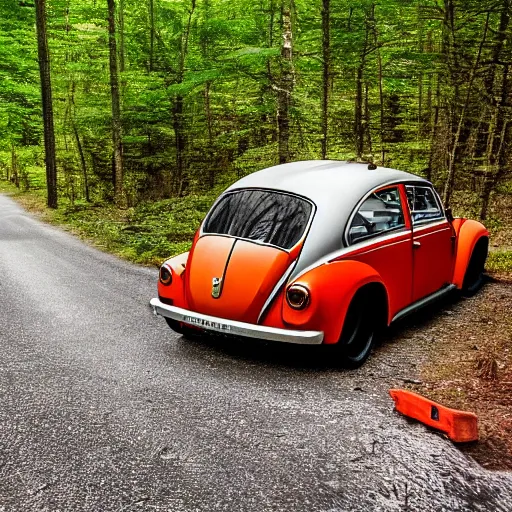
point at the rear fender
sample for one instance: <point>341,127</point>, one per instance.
<point>175,291</point>
<point>332,287</point>
<point>468,232</point>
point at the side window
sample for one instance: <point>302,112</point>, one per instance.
<point>380,212</point>
<point>423,204</point>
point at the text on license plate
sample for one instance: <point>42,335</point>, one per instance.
<point>207,324</point>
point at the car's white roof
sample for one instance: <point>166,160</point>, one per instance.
<point>335,187</point>
<point>318,179</point>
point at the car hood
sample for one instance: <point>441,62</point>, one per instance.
<point>248,272</point>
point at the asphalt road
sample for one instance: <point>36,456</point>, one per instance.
<point>103,408</point>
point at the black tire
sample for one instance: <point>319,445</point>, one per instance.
<point>474,277</point>
<point>186,332</point>
<point>359,331</point>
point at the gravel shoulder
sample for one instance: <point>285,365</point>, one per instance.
<point>468,366</point>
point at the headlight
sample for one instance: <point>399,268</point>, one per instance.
<point>165,275</point>
<point>297,296</point>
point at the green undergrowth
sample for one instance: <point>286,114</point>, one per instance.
<point>499,261</point>
<point>146,234</point>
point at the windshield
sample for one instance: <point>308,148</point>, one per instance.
<point>261,215</point>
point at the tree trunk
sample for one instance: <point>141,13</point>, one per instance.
<point>499,156</point>
<point>434,130</point>
<point>121,37</point>
<point>151,34</point>
<point>179,142</point>
<point>359,128</point>
<point>116,109</point>
<point>358,112</point>
<point>498,148</point>
<point>177,111</point>
<point>264,117</point>
<point>82,162</point>
<point>209,124</point>
<point>285,89</point>
<point>420,106</point>
<point>381,102</point>
<point>72,109</point>
<point>491,181</point>
<point>46,94</point>
<point>14,167</point>
<point>448,189</point>
<point>326,74</point>
<point>381,90</point>
<point>500,38</point>
<point>367,120</point>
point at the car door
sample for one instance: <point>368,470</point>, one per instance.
<point>433,243</point>
<point>379,234</point>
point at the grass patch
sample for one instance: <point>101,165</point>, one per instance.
<point>499,261</point>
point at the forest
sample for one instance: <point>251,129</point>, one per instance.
<point>152,107</point>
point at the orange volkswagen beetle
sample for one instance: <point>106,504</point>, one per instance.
<point>320,252</point>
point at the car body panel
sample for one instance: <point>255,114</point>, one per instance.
<point>207,261</point>
<point>467,233</point>
<point>250,275</point>
<point>332,285</point>
<point>175,293</point>
<point>433,257</point>
<point>389,258</point>
<point>247,273</point>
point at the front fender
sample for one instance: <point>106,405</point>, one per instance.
<point>332,287</point>
<point>468,232</point>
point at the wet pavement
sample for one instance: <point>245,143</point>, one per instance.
<point>103,408</point>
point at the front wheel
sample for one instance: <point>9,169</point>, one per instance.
<point>474,277</point>
<point>358,333</point>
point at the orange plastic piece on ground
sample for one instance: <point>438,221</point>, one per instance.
<point>459,426</point>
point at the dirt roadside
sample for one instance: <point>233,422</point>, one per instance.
<point>468,366</point>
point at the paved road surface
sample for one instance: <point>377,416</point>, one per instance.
<point>103,408</point>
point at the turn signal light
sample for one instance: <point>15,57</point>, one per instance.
<point>165,275</point>
<point>297,296</point>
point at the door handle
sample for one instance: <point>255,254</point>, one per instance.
<point>416,244</point>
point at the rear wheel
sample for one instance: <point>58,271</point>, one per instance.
<point>359,330</point>
<point>474,276</point>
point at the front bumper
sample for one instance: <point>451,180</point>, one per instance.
<point>222,325</point>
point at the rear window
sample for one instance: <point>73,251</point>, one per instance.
<point>261,215</point>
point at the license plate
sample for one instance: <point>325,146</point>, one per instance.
<point>206,324</point>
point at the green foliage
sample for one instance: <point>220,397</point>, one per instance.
<point>148,233</point>
<point>20,121</point>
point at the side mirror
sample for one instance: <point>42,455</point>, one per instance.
<point>449,214</point>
